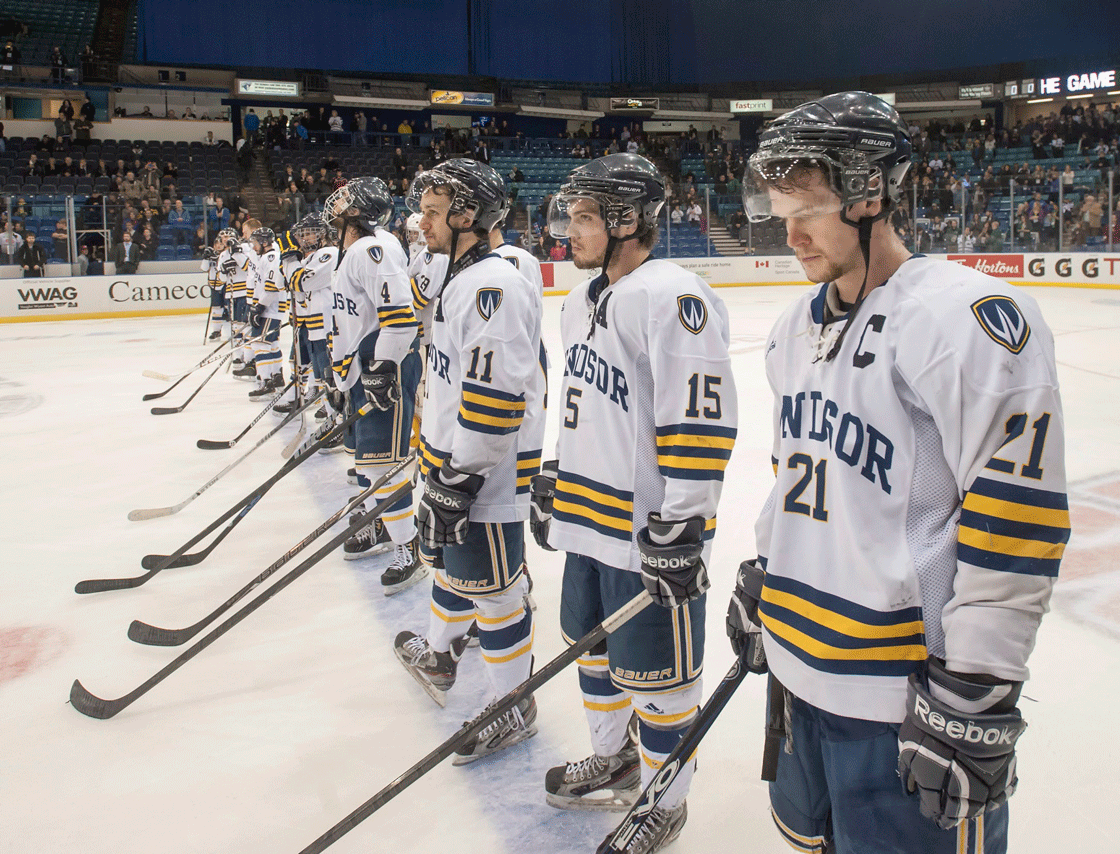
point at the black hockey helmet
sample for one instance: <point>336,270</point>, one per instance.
<point>364,202</point>
<point>228,236</point>
<point>476,189</point>
<point>627,188</point>
<point>263,236</point>
<point>311,232</point>
<point>857,139</point>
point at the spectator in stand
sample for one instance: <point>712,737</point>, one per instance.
<point>694,213</point>
<point>125,255</point>
<point>676,215</point>
<point>1092,215</point>
<point>179,221</point>
<point>218,217</point>
<point>83,260</point>
<point>9,61</point>
<point>400,164</point>
<point>558,252</point>
<point>58,65</point>
<point>335,122</point>
<point>61,240</point>
<point>147,114</point>
<point>146,244</point>
<point>198,241</point>
<point>358,128</point>
<point>3,139</point>
<point>31,257</point>
<point>252,125</point>
<point>34,166</point>
<point>10,242</point>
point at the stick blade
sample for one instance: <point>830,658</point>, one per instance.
<point>101,585</point>
<point>154,395</point>
<point>156,375</point>
<point>149,513</point>
<point>166,410</point>
<point>91,706</point>
<point>149,635</point>
<point>211,445</point>
<point>152,561</point>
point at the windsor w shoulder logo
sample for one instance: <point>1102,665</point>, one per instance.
<point>488,300</point>
<point>375,254</point>
<point>692,312</point>
<point>1003,321</point>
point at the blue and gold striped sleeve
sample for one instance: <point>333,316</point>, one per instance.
<point>694,451</point>
<point>396,317</point>
<point>488,410</point>
<point>590,504</point>
<point>528,464</point>
<point>835,635</point>
<point>1013,528</point>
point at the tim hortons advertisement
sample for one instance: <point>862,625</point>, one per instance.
<point>102,296</point>
<point>1000,266</point>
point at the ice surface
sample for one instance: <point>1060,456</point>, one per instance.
<point>301,712</point>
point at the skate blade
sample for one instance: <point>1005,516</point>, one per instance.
<point>393,589</point>
<point>619,800</point>
<point>371,552</point>
<point>440,696</point>
<point>523,735</point>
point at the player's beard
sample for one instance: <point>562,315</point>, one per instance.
<point>587,263</point>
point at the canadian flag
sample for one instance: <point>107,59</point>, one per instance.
<point>758,264</point>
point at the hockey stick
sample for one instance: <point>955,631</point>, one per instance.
<point>154,636</point>
<point>172,410</point>
<point>155,512</point>
<point>471,728</point>
<point>629,826</point>
<point>206,332</point>
<point>211,445</point>
<point>95,707</point>
<point>156,375</point>
<point>157,563</point>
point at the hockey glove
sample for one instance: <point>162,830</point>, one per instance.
<point>673,570</point>
<point>742,617</point>
<point>209,254</point>
<point>956,746</point>
<point>229,267</point>
<point>542,492</point>
<point>379,379</point>
<point>258,317</point>
<point>443,515</point>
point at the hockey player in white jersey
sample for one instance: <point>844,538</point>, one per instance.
<point>311,283</point>
<point>915,529</point>
<point>375,357</point>
<point>234,266</point>
<point>219,311</point>
<point>481,443</point>
<point>269,298</point>
<point>648,421</point>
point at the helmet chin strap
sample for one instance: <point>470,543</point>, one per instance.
<point>863,225</point>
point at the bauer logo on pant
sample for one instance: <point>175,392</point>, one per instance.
<point>1003,321</point>
<point>488,301</point>
<point>692,312</point>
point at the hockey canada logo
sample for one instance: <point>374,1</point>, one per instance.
<point>375,254</point>
<point>692,312</point>
<point>1001,318</point>
<point>488,300</point>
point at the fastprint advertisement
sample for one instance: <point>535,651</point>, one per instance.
<point>102,296</point>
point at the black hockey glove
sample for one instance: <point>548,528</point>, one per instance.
<point>229,267</point>
<point>542,491</point>
<point>258,317</point>
<point>379,379</point>
<point>956,746</point>
<point>209,253</point>
<point>742,617</point>
<point>442,516</point>
<point>672,569</point>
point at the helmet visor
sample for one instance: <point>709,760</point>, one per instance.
<point>582,213</point>
<point>799,182</point>
<point>337,204</point>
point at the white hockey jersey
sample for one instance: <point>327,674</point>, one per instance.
<point>484,407</point>
<point>372,305</point>
<point>237,266</point>
<point>213,277</point>
<point>529,266</point>
<point>426,272</point>
<point>920,502</point>
<point>649,410</point>
<point>312,283</point>
<point>269,288</point>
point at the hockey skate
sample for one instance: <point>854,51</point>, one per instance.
<point>661,827</point>
<point>405,570</point>
<point>597,783</point>
<point>269,386</point>
<point>215,335</point>
<point>247,371</point>
<point>371,540</point>
<point>320,413</point>
<point>352,476</point>
<point>434,671</point>
<point>285,407</point>
<point>513,727</point>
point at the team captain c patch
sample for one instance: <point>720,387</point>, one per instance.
<point>692,312</point>
<point>488,300</point>
<point>1001,318</point>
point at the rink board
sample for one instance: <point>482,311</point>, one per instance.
<point>153,294</point>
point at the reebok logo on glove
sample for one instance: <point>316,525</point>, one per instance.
<point>966,730</point>
<point>658,562</point>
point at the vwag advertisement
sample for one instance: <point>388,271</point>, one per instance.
<point>102,296</point>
